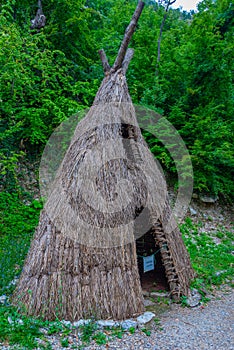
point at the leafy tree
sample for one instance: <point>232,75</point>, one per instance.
<point>37,89</point>
<point>49,74</point>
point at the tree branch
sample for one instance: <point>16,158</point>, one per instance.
<point>161,29</point>
<point>127,59</point>
<point>40,19</point>
<point>105,63</point>
<point>160,35</point>
<point>127,36</point>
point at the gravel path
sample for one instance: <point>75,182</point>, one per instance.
<point>209,327</point>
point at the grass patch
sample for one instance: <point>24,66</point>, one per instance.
<point>214,263</point>
<point>17,225</point>
<point>18,329</point>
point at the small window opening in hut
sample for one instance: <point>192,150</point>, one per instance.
<point>150,266</point>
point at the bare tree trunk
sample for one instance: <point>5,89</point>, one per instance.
<point>169,2</point>
<point>127,36</point>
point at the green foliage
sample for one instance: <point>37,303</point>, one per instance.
<point>64,342</point>
<point>24,331</point>
<point>17,225</point>
<point>48,75</point>
<point>214,263</point>
<point>192,87</point>
<point>88,330</point>
<point>38,92</point>
<point>17,329</point>
<point>118,332</point>
<point>100,338</point>
<point>8,169</point>
<point>55,327</point>
<point>146,331</point>
<point>209,101</point>
<point>184,300</point>
<point>157,323</point>
<point>132,330</point>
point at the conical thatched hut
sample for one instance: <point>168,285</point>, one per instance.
<point>83,258</point>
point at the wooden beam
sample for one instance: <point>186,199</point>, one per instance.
<point>127,36</point>
<point>127,59</point>
<point>105,63</point>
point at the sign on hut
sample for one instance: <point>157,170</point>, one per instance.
<point>88,255</point>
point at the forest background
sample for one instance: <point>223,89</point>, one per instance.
<point>49,74</point>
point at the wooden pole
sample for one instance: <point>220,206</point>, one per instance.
<point>127,36</point>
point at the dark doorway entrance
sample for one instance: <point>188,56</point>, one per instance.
<point>155,279</point>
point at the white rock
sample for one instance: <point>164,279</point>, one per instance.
<point>192,211</point>
<point>3,299</point>
<point>43,330</point>
<point>218,273</point>
<point>13,282</point>
<point>107,323</point>
<point>41,342</point>
<point>159,294</point>
<point>207,199</point>
<point>9,319</point>
<point>145,293</point>
<point>66,323</point>
<point>148,302</point>
<point>217,240</point>
<point>128,324</point>
<point>145,318</point>
<point>19,321</point>
<point>194,298</point>
<point>81,323</point>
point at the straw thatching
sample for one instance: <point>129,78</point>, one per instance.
<point>82,260</point>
